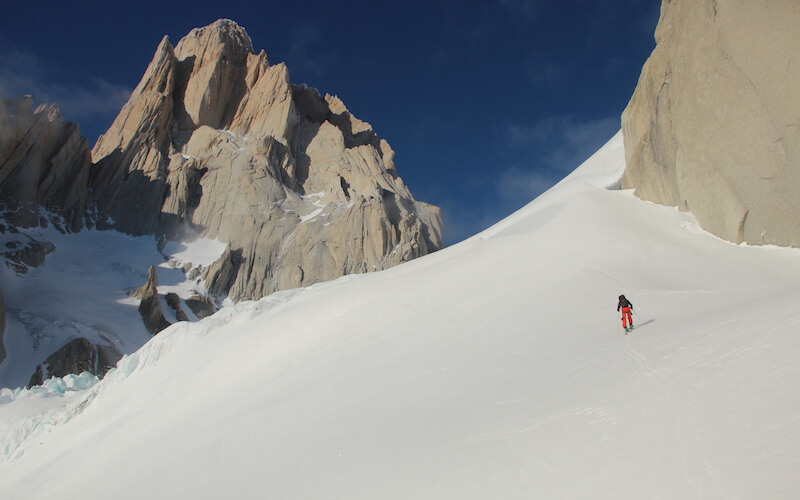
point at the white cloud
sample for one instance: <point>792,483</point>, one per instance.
<point>524,10</point>
<point>548,150</point>
<point>518,185</point>
<point>546,73</point>
<point>561,143</point>
<point>306,54</point>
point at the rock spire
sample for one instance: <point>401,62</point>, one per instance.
<point>44,164</point>
<point>216,140</point>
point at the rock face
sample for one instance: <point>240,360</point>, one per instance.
<point>44,163</point>
<point>217,140</point>
<point>27,253</point>
<point>202,307</point>
<point>150,306</point>
<point>2,327</point>
<point>174,302</point>
<point>714,123</point>
<point>77,356</point>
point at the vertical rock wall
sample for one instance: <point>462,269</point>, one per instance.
<point>714,123</point>
<point>44,163</point>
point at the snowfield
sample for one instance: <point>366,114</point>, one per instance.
<point>493,369</point>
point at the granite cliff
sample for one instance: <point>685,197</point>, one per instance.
<point>44,164</point>
<point>714,123</point>
<point>217,142</point>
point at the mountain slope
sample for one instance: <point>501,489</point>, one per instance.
<point>492,369</point>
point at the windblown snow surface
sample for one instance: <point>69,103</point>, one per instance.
<point>494,369</point>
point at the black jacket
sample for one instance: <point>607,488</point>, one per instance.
<point>623,302</point>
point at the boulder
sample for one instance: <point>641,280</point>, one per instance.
<point>174,302</point>
<point>77,356</point>
<point>202,307</point>
<point>26,253</point>
<point>713,126</point>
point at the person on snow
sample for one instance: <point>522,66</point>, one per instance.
<point>626,307</point>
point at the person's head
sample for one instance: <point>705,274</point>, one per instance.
<point>621,297</point>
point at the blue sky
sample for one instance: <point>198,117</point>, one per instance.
<point>487,104</point>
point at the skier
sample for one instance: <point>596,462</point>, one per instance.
<point>626,307</point>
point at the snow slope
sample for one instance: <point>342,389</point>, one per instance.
<point>492,369</point>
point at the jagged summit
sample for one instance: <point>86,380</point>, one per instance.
<point>227,31</point>
<point>217,138</point>
<point>44,164</point>
<point>214,145</point>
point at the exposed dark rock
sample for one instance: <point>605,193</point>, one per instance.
<point>174,302</point>
<point>75,357</point>
<point>32,253</point>
<point>201,306</point>
<point>150,307</point>
<point>221,273</point>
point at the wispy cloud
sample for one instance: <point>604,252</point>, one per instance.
<point>95,99</point>
<point>546,73</point>
<point>546,151</point>
<point>306,53</point>
<point>523,10</point>
<point>517,185</point>
<point>562,142</point>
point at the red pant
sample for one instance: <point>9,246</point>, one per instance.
<point>627,319</point>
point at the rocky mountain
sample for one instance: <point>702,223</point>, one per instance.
<point>214,144</point>
<point>44,164</point>
<point>713,125</point>
<point>217,142</point>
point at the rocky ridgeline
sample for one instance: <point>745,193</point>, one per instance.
<point>216,139</point>
<point>217,143</point>
<point>44,163</point>
<point>714,124</point>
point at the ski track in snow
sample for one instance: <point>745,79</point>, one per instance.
<point>638,358</point>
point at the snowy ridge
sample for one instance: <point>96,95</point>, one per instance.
<point>492,369</point>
